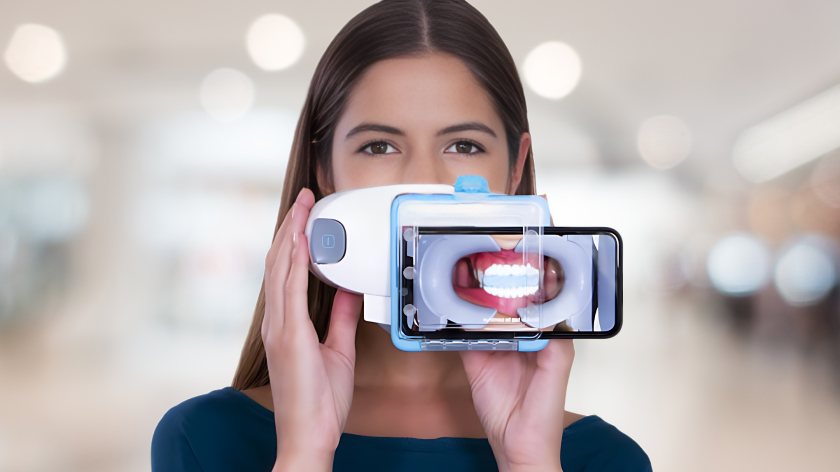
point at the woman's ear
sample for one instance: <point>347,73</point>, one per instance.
<point>524,147</point>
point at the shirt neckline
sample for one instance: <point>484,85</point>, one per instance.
<point>254,405</point>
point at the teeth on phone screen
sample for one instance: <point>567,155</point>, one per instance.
<point>509,280</point>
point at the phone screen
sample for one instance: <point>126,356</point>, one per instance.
<point>502,291</point>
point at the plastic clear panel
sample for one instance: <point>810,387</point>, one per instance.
<point>455,279</point>
<point>466,267</point>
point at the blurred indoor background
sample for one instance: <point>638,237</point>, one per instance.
<point>142,153</point>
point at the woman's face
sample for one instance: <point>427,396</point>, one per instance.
<point>421,119</point>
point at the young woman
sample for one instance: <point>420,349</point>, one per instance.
<point>410,91</point>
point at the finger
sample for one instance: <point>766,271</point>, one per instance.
<point>277,266</point>
<point>297,286</point>
<point>296,226</point>
<point>551,375</point>
<point>474,361</point>
<point>278,262</point>
<point>551,218</point>
<point>266,321</point>
<point>277,238</point>
<point>344,318</point>
<point>557,357</point>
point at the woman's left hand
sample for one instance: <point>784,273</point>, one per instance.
<point>520,398</point>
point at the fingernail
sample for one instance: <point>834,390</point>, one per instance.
<point>294,239</point>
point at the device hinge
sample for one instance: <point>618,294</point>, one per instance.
<point>469,345</point>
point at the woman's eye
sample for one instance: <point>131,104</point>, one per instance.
<point>377,147</point>
<point>465,147</point>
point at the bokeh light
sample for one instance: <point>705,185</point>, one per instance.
<point>552,69</point>
<point>51,208</point>
<point>805,271</point>
<point>226,94</point>
<point>789,139</point>
<point>738,264</point>
<point>663,141</point>
<point>275,42</point>
<point>35,53</point>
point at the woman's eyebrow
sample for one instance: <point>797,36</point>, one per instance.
<point>374,127</point>
<point>468,126</point>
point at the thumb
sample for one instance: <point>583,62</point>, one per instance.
<point>344,317</point>
<point>474,361</point>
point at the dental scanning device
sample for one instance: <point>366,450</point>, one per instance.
<point>456,268</point>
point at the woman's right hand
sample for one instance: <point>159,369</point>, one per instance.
<point>311,383</point>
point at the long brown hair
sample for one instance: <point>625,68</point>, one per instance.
<point>387,29</point>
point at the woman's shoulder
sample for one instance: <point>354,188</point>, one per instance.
<point>601,446</point>
<point>209,409</point>
<point>211,428</point>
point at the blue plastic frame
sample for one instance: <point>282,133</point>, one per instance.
<point>466,184</point>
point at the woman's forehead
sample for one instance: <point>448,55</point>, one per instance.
<point>433,90</point>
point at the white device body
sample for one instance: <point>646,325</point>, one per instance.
<point>365,268</point>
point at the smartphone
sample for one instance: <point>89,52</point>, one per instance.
<point>503,291</point>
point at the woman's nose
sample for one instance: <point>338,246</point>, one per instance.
<point>425,170</point>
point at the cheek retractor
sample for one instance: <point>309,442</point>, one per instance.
<point>434,296</point>
<point>574,253</point>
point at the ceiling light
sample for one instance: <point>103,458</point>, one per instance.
<point>35,53</point>
<point>790,139</point>
<point>275,42</point>
<point>552,70</point>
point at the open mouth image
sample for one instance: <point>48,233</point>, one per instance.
<point>505,280</point>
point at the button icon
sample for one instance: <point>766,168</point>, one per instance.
<point>328,241</point>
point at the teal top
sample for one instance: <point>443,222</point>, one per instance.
<point>226,430</point>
